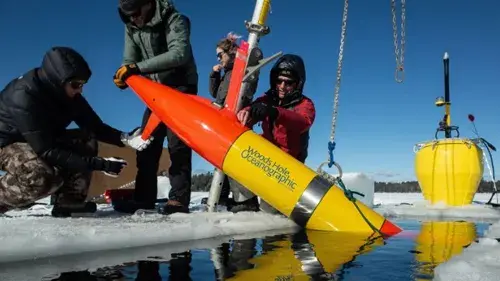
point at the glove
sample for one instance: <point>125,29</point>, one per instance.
<point>134,139</point>
<point>123,73</point>
<point>259,111</point>
<point>111,166</point>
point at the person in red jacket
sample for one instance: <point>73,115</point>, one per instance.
<point>285,112</point>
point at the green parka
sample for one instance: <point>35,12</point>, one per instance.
<point>162,48</point>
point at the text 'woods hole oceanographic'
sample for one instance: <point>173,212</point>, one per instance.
<point>270,167</point>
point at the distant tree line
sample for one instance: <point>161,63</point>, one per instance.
<point>201,182</point>
<point>412,186</point>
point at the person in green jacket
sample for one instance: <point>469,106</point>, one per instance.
<point>157,45</point>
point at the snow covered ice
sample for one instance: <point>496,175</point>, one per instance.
<point>478,262</point>
<point>413,205</point>
<point>90,243</point>
<point>28,237</point>
<point>44,237</point>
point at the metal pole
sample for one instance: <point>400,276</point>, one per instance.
<point>216,258</point>
<point>256,28</point>
<point>446,62</point>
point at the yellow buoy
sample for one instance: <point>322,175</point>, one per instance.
<point>449,170</point>
<point>440,241</point>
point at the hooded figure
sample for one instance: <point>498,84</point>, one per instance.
<point>157,41</point>
<point>291,66</point>
<point>285,112</point>
<point>62,64</point>
<point>40,156</point>
<point>157,45</point>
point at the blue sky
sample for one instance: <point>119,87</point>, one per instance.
<point>379,120</point>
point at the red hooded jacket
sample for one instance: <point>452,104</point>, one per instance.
<point>296,112</point>
<point>290,129</point>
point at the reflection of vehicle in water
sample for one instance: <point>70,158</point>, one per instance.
<point>440,241</point>
<point>301,256</point>
<point>306,255</point>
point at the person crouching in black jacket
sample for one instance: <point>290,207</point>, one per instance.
<point>39,155</point>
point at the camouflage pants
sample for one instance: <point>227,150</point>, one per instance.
<point>28,178</point>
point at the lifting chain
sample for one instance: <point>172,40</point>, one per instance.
<point>399,52</point>
<point>331,143</point>
<point>339,70</point>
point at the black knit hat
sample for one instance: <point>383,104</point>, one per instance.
<point>130,6</point>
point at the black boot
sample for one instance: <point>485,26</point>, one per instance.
<point>61,211</point>
<point>168,209</point>
<point>131,206</point>
<point>222,201</point>
<point>3,209</point>
<point>249,205</point>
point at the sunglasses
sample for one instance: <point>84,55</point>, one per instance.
<point>77,84</point>
<point>219,55</point>
<point>134,14</point>
<point>286,81</point>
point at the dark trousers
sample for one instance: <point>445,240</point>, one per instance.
<point>148,160</point>
<point>77,184</point>
<point>224,192</point>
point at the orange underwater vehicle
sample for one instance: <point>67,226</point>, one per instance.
<point>276,177</point>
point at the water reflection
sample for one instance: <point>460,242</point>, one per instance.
<point>306,255</point>
<point>437,242</point>
<point>179,269</point>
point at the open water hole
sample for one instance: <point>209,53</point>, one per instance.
<point>305,255</point>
